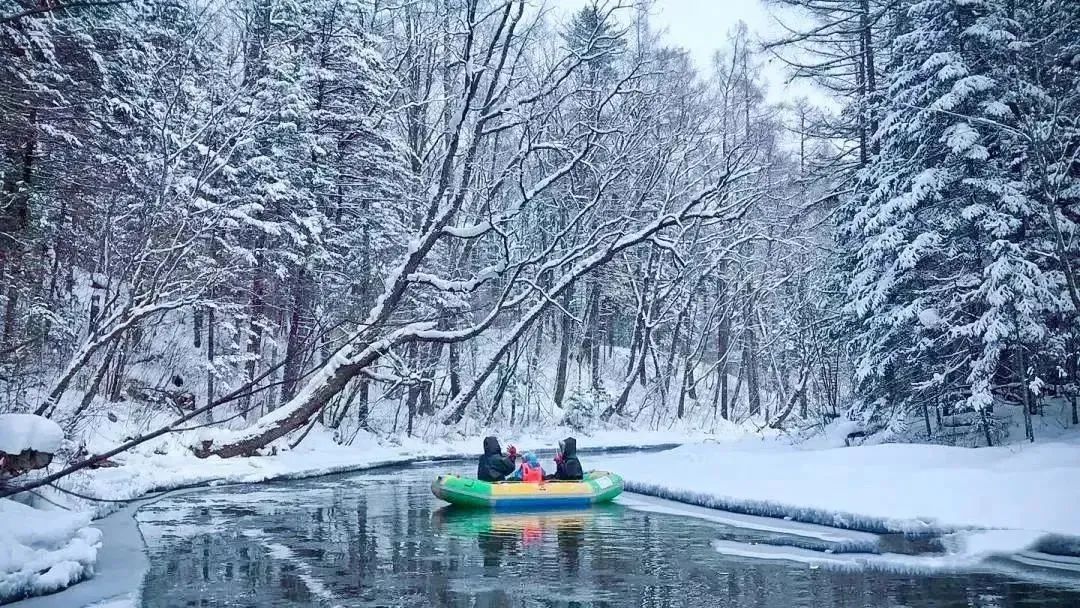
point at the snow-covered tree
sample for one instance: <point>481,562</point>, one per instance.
<point>948,288</point>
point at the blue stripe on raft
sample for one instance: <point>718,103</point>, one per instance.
<point>561,502</point>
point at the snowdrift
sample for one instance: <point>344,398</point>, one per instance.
<point>43,551</point>
<point>21,432</point>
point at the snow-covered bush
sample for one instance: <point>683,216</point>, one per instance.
<point>583,407</point>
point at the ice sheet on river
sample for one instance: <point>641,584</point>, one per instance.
<point>838,539</point>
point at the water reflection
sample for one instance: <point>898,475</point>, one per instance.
<point>385,541</point>
<point>500,535</point>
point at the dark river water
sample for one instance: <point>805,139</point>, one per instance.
<point>382,539</point>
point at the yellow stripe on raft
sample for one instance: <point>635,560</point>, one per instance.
<point>558,488</point>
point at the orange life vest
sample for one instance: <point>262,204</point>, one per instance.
<point>531,474</point>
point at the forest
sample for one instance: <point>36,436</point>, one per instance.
<point>244,219</point>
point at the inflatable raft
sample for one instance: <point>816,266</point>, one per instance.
<point>597,487</point>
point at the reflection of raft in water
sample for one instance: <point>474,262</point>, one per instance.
<point>597,487</point>
<point>501,535</point>
<point>470,522</point>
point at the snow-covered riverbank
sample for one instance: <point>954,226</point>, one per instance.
<point>883,488</point>
<point>64,550</point>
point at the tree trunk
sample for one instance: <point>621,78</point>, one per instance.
<point>15,212</point>
<point>210,345</point>
<point>506,374</point>
<point>196,327</point>
<point>753,390</point>
<point>427,378</point>
<point>985,421</point>
<point>804,374</point>
<point>117,378</point>
<point>926,419</point>
<point>531,370</point>
<point>593,333</point>
<point>691,381</point>
<point>1029,432</point>
<point>738,385</point>
<point>669,366</point>
<point>680,410</point>
<point>565,338</point>
<point>869,70</point>
<point>299,333</point>
<point>413,394</point>
<point>410,409</point>
<point>257,310</point>
<point>9,313</point>
<point>1074,376</point>
<point>619,405</point>
<point>363,406</point>
<point>453,363</point>
<point>723,346</point>
<point>95,384</point>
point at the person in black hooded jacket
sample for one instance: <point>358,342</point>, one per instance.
<point>494,465</point>
<point>567,465</point>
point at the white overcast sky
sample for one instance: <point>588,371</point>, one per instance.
<point>702,26</point>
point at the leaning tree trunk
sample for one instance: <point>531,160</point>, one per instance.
<point>619,405</point>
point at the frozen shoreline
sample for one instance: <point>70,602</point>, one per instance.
<point>756,485</point>
<point>892,488</point>
<point>121,560</point>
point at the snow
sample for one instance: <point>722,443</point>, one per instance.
<point>122,564</point>
<point>966,551</point>
<point>881,488</point>
<point>467,232</point>
<point>848,540</point>
<point>149,470</point>
<point>170,465</point>
<point>929,317</point>
<point>43,551</point>
<point>1000,500</point>
<point>20,432</point>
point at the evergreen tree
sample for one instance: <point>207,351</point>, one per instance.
<point>946,282</point>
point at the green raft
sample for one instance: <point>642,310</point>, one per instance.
<point>597,487</point>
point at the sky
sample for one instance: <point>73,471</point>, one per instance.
<point>702,26</point>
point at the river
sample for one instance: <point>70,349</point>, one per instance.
<point>381,539</point>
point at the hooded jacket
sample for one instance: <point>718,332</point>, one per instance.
<point>567,465</point>
<point>493,466</point>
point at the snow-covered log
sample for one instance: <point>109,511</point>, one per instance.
<point>27,442</point>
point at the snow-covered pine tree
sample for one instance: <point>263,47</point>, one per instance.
<point>320,193</point>
<point>360,189</point>
<point>945,286</point>
<point>1045,140</point>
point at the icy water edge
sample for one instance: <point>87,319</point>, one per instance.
<point>382,539</point>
